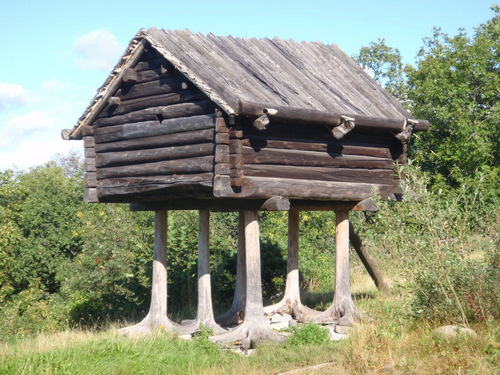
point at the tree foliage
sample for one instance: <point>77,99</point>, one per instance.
<point>385,64</point>
<point>456,87</point>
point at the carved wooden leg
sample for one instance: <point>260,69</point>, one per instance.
<point>235,314</point>
<point>291,304</point>
<point>342,311</point>
<point>157,317</point>
<point>254,328</point>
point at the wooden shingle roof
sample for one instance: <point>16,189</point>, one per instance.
<point>307,80</point>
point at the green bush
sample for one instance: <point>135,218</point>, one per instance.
<point>308,334</point>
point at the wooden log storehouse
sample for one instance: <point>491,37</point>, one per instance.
<point>188,121</point>
<point>193,117</point>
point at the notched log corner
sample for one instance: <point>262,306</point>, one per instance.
<point>346,125</point>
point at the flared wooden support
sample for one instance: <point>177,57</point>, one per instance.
<point>342,311</point>
<point>157,317</point>
<point>254,328</point>
<point>291,303</point>
<point>237,311</point>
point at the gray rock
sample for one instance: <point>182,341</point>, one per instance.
<point>344,330</point>
<point>334,336</point>
<point>287,317</point>
<point>453,331</point>
<point>184,337</point>
<point>279,325</point>
<point>277,318</point>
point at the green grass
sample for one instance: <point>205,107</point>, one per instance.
<point>391,342</point>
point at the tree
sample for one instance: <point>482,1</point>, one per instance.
<point>456,87</point>
<point>385,65</point>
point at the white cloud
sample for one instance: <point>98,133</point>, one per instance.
<point>31,135</point>
<point>36,152</point>
<point>97,50</point>
<point>28,125</point>
<point>12,95</point>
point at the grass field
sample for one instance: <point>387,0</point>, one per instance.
<point>391,342</point>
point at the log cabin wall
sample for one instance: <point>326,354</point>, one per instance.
<point>155,137</point>
<point>306,162</point>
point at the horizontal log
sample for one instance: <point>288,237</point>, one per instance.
<point>200,178</point>
<point>153,128</point>
<point>295,132</point>
<point>315,205</point>
<point>169,167</point>
<point>154,63</point>
<point>199,107</point>
<point>257,142</point>
<point>313,159</point>
<point>330,118</point>
<point>183,138</point>
<point>116,188</point>
<point>261,187</point>
<point>110,159</point>
<point>131,105</point>
<point>218,204</point>
<point>162,86</point>
<point>376,176</point>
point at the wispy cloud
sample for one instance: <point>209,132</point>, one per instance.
<point>12,95</point>
<point>97,50</point>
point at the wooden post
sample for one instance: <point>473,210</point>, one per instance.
<point>205,313</point>
<point>342,311</point>
<point>291,303</point>
<point>157,317</point>
<point>254,328</point>
<point>158,307</point>
<point>236,312</point>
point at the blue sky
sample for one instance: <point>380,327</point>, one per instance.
<point>56,54</point>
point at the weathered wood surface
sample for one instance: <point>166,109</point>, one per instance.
<point>375,176</point>
<point>90,195</point>
<point>90,179</point>
<point>367,260</point>
<point>165,85</point>
<point>262,187</point>
<point>110,159</point>
<point>272,71</point>
<point>311,158</point>
<point>153,128</point>
<point>168,167</point>
<point>198,107</point>
<point>151,101</point>
<point>259,142</point>
<point>220,204</point>
<point>183,138</point>
<point>113,188</point>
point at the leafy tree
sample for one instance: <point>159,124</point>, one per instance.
<point>456,87</point>
<point>385,65</point>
